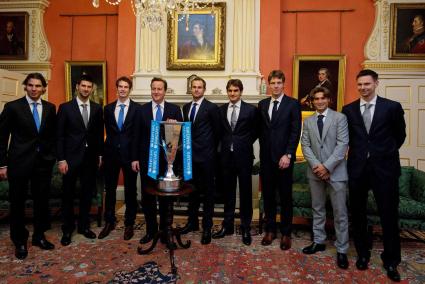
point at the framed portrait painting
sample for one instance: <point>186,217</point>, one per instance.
<point>197,42</point>
<point>407,40</point>
<point>312,71</point>
<point>13,36</point>
<point>96,69</point>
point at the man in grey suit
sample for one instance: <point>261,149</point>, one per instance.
<point>324,144</point>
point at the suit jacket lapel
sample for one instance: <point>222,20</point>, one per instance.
<point>28,113</point>
<point>224,114</point>
<point>376,114</point>
<point>327,123</point>
<point>76,109</point>
<point>359,116</point>
<point>265,110</point>
<point>280,109</point>
<point>43,115</point>
<point>313,125</point>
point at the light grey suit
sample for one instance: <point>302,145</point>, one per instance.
<point>330,151</point>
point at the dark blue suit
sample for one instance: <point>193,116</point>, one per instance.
<point>373,163</point>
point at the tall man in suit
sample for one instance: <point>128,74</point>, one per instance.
<point>30,123</point>
<point>120,118</point>
<point>204,117</point>
<point>377,130</point>
<point>324,144</point>
<point>238,124</point>
<point>279,135</point>
<point>79,151</point>
<point>160,110</point>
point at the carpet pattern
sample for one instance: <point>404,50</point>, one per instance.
<point>113,260</point>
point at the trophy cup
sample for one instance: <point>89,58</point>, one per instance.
<point>170,144</point>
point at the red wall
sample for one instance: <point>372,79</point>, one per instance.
<point>285,33</point>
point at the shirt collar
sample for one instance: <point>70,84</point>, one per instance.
<point>372,102</point>
<point>154,104</point>
<point>237,104</point>
<point>279,99</point>
<point>325,113</point>
<point>126,102</point>
<point>30,101</point>
<point>80,102</point>
<point>199,102</point>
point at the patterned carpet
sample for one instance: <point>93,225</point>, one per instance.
<point>114,260</point>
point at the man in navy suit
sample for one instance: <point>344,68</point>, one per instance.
<point>205,123</point>
<point>79,152</point>
<point>238,124</point>
<point>377,131</point>
<point>30,123</point>
<point>160,110</point>
<point>279,135</point>
<point>120,118</point>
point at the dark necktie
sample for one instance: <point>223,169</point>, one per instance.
<point>192,112</point>
<point>36,117</point>
<point>274,111</point>
<point>121,117</point>
<point>320,124</point>
<point>367,116</point>
<point>85,114</point>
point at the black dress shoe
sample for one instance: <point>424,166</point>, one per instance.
<point>189,227</point>
<point>268,239</point>
<point>313,248</point>
<point>362,263</point>
<point>342,260</point>
<point>66,238</point>
<point>128,232</point>
<point>21,251</point>
<point>392,273</point>
<point>106,230</point>
<point>222,233</point>
<point>246,237</point>
<point>147,238</point>
<point>89,234</point>
<point>206,237</point>
<point>42,243</point>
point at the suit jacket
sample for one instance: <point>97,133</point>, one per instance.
<point>26,143</point>
<point>143,130</point>
<point>280,136</point>
<point>74,140</point>
<point>118,143</point>
<point>329,150</point>
<point>386,135</point>
<point>244,135</point>
<point>205,131</point>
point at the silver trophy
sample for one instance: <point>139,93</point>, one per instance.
<point>170,144</point>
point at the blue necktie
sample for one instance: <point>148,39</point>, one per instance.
<point>192,112</point>
<point>158,116</point>
<point>36,117</point>
<point>121,117</point>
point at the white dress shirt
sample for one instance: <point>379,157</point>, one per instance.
<point>39,106</point>
<point>279,99</point>
<point>230,110</point>
<point>371,108</point>
<point>325,113</point>
<point>80,102</point>
<point>155,109</point>
<point>118,109</point>
<point>198,104</point>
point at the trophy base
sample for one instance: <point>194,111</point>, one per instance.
<point>169,185</point>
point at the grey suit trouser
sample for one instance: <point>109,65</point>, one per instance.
<point>338,196</point>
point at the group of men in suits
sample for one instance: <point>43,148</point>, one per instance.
<point>372,127</point>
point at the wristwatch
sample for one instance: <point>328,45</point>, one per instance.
<point>289,156</point>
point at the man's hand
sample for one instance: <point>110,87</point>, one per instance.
<point>63,167</point>
<point>171,120</point>
<point>284,162</point>
<point>321,171</point>
<point>135,166</point>
<point>3,173</point>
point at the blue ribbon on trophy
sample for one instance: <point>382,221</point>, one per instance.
<point>187,150</point>
<point>153,165</point>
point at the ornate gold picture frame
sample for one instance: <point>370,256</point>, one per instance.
<point>96,69</point>
<point>407,37</point>
<point>197,42</point>
<point>14,35</point>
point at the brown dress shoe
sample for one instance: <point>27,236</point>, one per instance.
<point>128,233</point>
<point>285,243</point>
<point>106,230</point>
<point>268,239</point>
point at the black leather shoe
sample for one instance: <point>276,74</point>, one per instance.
<point>222,233</point>
<point>66,238</point>
<point>342,260</point>
<point>362,263</point>
<point>392,273</point>
<point>206,237</point>
<point>313,248</point>
<point>21,251</point>
<point>42,243</point>
<point>189,227</point>
<point>89,234</point>
<point>147,238</point>
<point>128,233</point>
<point>106,230</point>
<point>246,237</point>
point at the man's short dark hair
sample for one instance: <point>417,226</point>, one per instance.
<point>325,91</point>
<point>85,77</point>
<point>36,76</point>
<point>124,79</point>
<point>197,78</point>
<point>157,79</point>
<point>367,72</point>
<point>276,74</point>
<point>235,83</point>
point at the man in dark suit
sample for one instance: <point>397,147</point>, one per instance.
<point>238,124</point>
<point>30,123</point>
<point>160,110</point>
<point>204,117</point>
<point>120,118</point>
<point>279,135</point>
<point>377,130</point>
<point>79,151</point>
